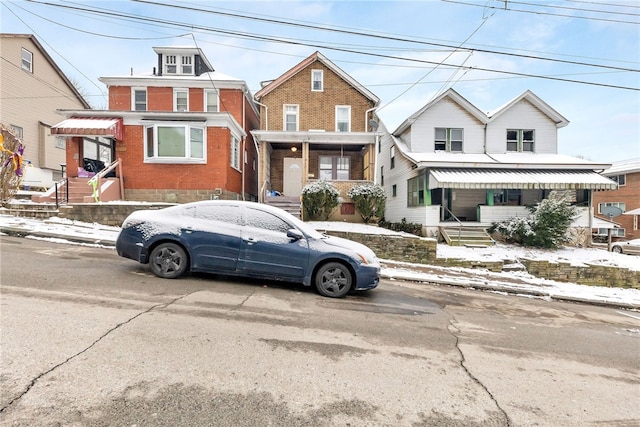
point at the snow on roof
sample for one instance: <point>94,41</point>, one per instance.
<point>624,166</point>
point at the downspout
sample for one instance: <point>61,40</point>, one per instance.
<point>261,187</point>
<point>244,140</point>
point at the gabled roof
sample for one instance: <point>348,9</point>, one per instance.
<point>316,56</point>
<point>51,62</point>
<point>558,118</point>
<point>455,97</point>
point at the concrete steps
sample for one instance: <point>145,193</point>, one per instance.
<point>466,236</point>
<point>289,204</point>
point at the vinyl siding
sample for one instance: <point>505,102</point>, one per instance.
<point>446,114</point>
<point>523,115</point>
<point>30,101</point>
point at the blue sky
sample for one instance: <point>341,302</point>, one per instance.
<point>581,57</point>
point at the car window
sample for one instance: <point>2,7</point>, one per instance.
<point>265,220</point>
<point>226,213</point>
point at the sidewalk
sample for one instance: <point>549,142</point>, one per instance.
<point>513,282</point>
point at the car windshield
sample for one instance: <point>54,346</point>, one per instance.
<point>302,226</point>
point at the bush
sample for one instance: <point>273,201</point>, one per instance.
<point>402,226</point>
<point>11,150</point>
<point>369,200</point>
<point>546,227</point>
<point>319,199</point>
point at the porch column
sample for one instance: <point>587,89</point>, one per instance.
<point>74,155</point>
<point>490,197</point>
<point>305,163</point>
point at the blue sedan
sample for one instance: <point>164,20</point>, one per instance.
<point>245,239</point>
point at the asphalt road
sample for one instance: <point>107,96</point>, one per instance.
<point>90,339</point>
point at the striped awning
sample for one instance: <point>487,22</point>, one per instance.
<point>519,178</point>
<point>90,126</point>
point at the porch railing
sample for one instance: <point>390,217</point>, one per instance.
<point>96,180</point>
<point>64,183</point>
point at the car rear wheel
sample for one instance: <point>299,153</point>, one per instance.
<point>333,280</point>
<point>168,260</point>
<point>616,249</point>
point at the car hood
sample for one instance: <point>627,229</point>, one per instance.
<point>350,244</point>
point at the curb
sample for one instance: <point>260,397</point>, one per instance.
<point>20,232</point>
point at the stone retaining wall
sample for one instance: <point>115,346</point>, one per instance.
<point>111,213</point>
<point>599,275</point>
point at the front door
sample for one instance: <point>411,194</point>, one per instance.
<point>292,179</point>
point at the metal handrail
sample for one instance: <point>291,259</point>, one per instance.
<point>445,210</point>
<point>65,182</point>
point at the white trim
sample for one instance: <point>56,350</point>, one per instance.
<point>313,73</point>
<point>175,99</point>
<point>133,98</point>
<point>284,117</point>
<point>217,93</point>
<point>348,108</point>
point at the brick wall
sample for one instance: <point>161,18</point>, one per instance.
<point>629,194</point>
<point>317,109</point>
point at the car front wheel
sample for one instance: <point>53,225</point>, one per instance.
<point>616,249</point>
<point>333,280</point>
<point>168,260</point>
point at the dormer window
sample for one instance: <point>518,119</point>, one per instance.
<point>519,140</point>
<point>170,64</point>
<point>187,65</point>
<point>178,64</point>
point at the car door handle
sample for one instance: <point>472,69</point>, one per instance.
<point>250,240</point>
<point>188,230</point>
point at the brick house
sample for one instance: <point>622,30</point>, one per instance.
<point>315,124</point>
<point>32,87</point>
<point>626,197</point>
<point>179,134</point>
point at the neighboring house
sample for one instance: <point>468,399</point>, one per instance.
<point>179,134</point>
<point>451,163</point>
<point>626,198</point>
<point>32,87</point>
<point>315,124</point>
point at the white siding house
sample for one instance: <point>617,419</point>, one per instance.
<point>451,162</point>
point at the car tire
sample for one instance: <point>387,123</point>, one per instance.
<point>616,249</point>
<point>168,260</point>
<point>333,280</point>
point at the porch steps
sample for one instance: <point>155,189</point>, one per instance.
<point>466,236</point>
<point>79,189</point>
<point>28,209</point>
<point>289,204</point>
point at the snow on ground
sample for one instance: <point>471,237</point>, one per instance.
<point>518,282</point>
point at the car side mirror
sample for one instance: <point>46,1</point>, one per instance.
<point>294,234</point>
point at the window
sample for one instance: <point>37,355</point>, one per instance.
<point>27,60</point>
<point>60,142</point>
<point>17,131</point>
<point>291,118</point>
<point>415,191</point>
<point>98,148</point>
<point>615,232</point>
<point>317,83</point>
<point>211,101</point>
<point>187,65</point>
<point>175,143</point>
<point>519,140</point>
<point>235,152</point>
<point>266,221</point>
<point>343,118</point>
<point>392,156</point>
<point>170,64</point>
<point>620,179</point>
<point>621,205</point>
<point>448,139</point>
<point>334,168</point>
<point>180,100</point>
<point>139,100</point>
<point>382,175</point>
<point>394,190</point>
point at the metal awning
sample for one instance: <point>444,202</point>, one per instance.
<point>632,212</point>
<point>519,178</point>
<point>90,126</point>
